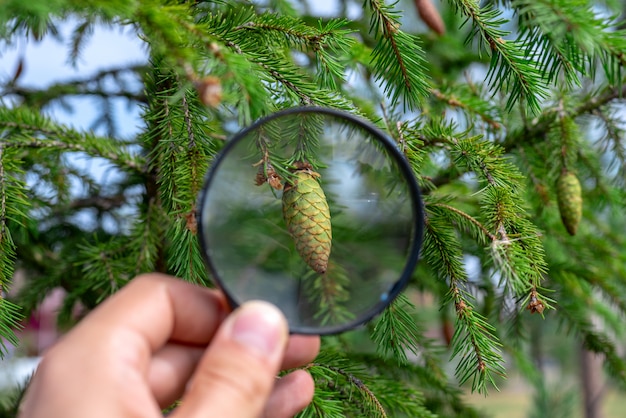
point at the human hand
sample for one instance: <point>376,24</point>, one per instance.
<point>159,339</point>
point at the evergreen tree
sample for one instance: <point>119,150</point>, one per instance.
<point>512,121</point>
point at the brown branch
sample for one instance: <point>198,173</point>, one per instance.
<point>40,98</point>
<point>79,86</point>
<point>609,94</point>
<point>101,203</point>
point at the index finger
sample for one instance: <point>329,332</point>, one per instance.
<point>154,309</point>
<point>157,308</point>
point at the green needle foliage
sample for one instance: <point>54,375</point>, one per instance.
<point>488,115</point>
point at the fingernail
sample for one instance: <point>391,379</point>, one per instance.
<point>260,326</point>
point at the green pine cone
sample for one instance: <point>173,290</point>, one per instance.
<point>307,216</point>
<point>570,200</point>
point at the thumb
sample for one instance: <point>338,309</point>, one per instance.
<point>237,373</point>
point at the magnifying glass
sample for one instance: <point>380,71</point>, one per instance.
<point>316,211</point>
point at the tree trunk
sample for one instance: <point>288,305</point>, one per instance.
<point>592,383</point>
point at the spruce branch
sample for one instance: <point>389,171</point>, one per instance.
<point>599,98</point>
<point>514,243</point>
<point>40,18</point>
<point>561,34</point>
<point>302,92</point>
<point>511,70</point>
<point>10,317</point>
<point>411,144</point>
<point>324,403</point>
<point>458,217</point>
<point>292,85</point>
<point>80,35</point>
<point>239,32</point>
<point>120,160</point>
<point>582,274</point>
<point>397,58</point>
<point>346,382</point>
<point>146,236</point>
<point>196,176</point>
<point>159,128</point>
<point>396,332</point>
<point>321,42</point>
<point>609,305</point>
<point>361,387</point>
<point>566,135</point>
<point>161,26</point>
<point>474,340</point>
<point>11,198</point>
<point>442,398</point>
<point>330,373</point>
<point>210,38</point>
<point>178,138</point>
<point>518,251</point>
<point>512,240</point>
<point>483,109</point>
<point>104,266</point>
<point>575,39</point>
<point>23,128</point>
<point>572,37</point>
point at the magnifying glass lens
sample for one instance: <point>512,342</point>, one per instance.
<point>316,212</point>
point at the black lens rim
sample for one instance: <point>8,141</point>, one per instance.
<point>416,199</point>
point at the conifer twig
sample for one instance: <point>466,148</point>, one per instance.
<point>467,217</point>
<point>456,102</point>
<point>397,57</point>
<point>79,86</point>
<point>473,340</point>
<point>511,69</point>
<point>358,383</point>
<point>9,313</point>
